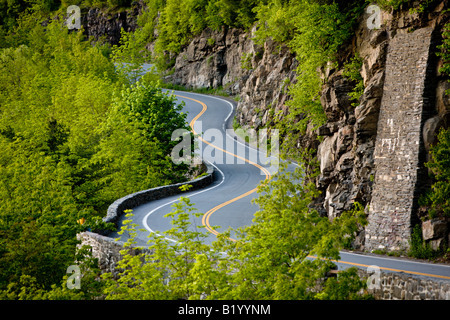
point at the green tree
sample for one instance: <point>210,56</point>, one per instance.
<point>166,270</point>
<point>314,32</point>
<point>285,254</point>
<point>439,195</point>
<point>71,144</point>
<point>289,248</point>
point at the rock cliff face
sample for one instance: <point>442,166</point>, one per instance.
<point>349,171</point>
<point>375,153</point>
<point>354,140</point>
<point>99,24</point>
<point>258,74</point>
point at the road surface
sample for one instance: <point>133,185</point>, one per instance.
<point>228,201</point>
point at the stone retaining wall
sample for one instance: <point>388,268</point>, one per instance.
<point>131,201</point>
<point>106,249</point>
<point>401,286</point>
<point>399,143</point>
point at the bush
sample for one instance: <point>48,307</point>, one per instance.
<point>439,195</point>
<point>352,71</point>
<point>419,248</point>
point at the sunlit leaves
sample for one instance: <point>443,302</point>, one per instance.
<point>285,254</point>
<point>71,145</point>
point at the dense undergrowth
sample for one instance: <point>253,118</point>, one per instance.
<point>76,134</point>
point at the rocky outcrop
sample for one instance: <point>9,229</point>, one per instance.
<point>213,60</point>
<point>368,152</point>
<point>349,137</point>
<point>435,231</point>
<point>264,92</point>
<point>106,26</point>
<point>260,74</point>
<point>257,74</point>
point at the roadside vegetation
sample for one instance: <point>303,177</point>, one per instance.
<point>76,133</point>
<point>271,259</point>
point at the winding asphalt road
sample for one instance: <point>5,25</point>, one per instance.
<point>228,201</point>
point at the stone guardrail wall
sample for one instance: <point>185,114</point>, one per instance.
<point>402,286</point>
<point>386,285</point>
<point>116,210</point>
<point>106,249</point>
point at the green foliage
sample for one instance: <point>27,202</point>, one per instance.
<point>110,5</point>
<point>352,71</point>
<point>314,32</point>
<point>231,13</point>
<point>391,4</point>
<point>414,5</point>
<point>11,10</point>
<point>422,6</point>
<point>167,271</point>
<point>284,254</point>
<point>438,198</point>
<point>272,258</point>
<point>445,50</point>
<point>74,138</point>
<point>178,21</point>
<point>42,124</point>
<point>130,54</point>
<point>419,248</point>
<point>246,61</point>
<point>347,286</point>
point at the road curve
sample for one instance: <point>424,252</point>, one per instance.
<point>239,169</point>
<point>227,202</point>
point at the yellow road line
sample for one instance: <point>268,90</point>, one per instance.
<point>205,219</point>
<point>207,215</point>
<point>385,268</point>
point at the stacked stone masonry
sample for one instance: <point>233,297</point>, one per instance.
<point>400,286</point>
<point>385,286</point>
<point>399,141</point>
<point>106,250</point>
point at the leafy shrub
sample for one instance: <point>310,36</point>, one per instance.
<point>439,195</point>
<point>419,248</point>
<point>352,70</point>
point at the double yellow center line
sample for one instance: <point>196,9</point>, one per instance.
<point>207,215</point>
